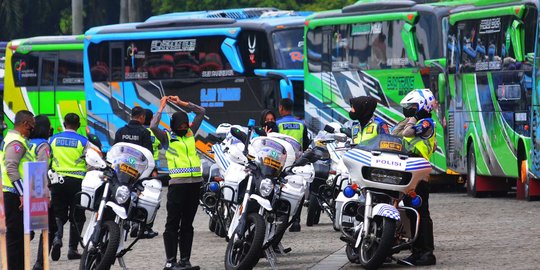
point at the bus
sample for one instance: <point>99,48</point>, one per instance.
<point>44,75</point>
<point>492,98</point>
<point>380,49</point>
<point>233,66</point>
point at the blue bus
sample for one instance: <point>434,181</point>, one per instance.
<point>235,64</point>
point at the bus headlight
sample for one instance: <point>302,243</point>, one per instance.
<point>266,187</point>
<point>122,194</point>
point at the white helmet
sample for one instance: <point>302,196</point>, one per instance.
<point>421,97</point>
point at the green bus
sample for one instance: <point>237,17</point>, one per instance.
<point>382,49</point>
<point>45,76</point>
<point>492,103</point>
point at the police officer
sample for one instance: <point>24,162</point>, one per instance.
<point>295,128</point>
<point>418,131</point>
<point>68,162</point>
<point>186,178</point>
<point>367,126</point>
<point>40,147</point>
<point>134,132</point>
<point>291,126</point>
<point>156,145</point>
<point>14,153</point>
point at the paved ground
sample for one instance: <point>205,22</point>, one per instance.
<point>489,233</point>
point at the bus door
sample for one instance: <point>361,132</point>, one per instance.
<point>117,85</point>
<point>48,67</point>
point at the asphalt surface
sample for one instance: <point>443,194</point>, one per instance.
<point>487,233</point>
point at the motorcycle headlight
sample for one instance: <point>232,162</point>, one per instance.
<point>266,187</point>
<point>122,194</point>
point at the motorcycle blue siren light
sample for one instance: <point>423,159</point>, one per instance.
<point>251,123</point>
<point>416,201</point>
<point>214,186</point>
<point>348,192</point>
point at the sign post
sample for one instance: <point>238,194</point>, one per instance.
<point>3,246</point>
<point>36,206</point>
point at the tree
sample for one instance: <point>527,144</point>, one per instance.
<point>11,19</point>
<point>77,16</point>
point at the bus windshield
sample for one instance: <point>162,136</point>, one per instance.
<point>288,46</point>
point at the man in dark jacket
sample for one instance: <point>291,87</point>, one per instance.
<point>134,132</point>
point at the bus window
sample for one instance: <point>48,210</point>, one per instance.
<point>70,68</point>
<point>117,72</point>
<point>254,50</point>
<point>288,47</point>
<point>314,49</point>
<point>339,48</point>
<point>99,61</point>
<point>47,71</point>
<point>25,69</point>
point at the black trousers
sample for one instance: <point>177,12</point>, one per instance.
<point>182,203</point>
<point>15,231</point>
<point>424,242</point>
<point>63,204</point>
<point>52,232</point>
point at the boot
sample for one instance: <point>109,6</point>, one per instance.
<point>186,264</point>
<point>419,258</point>
<point>171,265</point>
<point>134,229</point>
<point>295,227</point>
<point>39,261</point>
<point>57,242</point>
<point>74,238</point>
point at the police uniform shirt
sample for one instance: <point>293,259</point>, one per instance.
<point>43,152</point>
<point>134,132</point>
<point>15,151</point>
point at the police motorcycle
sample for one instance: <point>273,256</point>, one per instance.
<point>330,176</point>
<point>263,215</point>
<point>217,198</point>
<point>119,191</point>
<point>383,173</point>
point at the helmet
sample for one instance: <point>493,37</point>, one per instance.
<point>423,98</point>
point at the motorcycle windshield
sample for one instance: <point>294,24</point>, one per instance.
<point>385,143</point>
<point>129,162</point>
<point>270,155</point>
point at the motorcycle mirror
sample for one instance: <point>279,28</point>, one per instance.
<point>93,158</point>
<point>329,129</point>
<point>320,153</point>
<point>346,131</point>
<point>340,137</point>
<point>300,162</point>
<point>239,134</point>
<point>260,131</point>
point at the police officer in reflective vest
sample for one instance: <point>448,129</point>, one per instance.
<point>367,126</point>
<point>418,131</point>
<point>14,153</point>
<point>134,132</point>
<point>156,145</point>
<point>40,147</point>
<point>68,162</point>
<point>291,126</point>
<point>186,178</point>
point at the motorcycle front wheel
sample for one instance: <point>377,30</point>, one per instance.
<point>244,252</point>
<point>376,245</point>
<point>102,256</point>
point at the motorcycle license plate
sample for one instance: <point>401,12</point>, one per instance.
<point>387,162</point>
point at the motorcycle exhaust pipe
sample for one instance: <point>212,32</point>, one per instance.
<point>210,200</point>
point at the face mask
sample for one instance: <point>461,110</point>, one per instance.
<point>409,112</point>
<point>353,115</point>
<point>181,132</point>
<point>422,114</point>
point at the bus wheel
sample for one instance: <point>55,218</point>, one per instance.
<point>471,172</point>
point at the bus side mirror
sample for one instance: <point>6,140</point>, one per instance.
<point>285,85</point>
<point>518,40</point>
<point>409,40</point>
<point>228,47</point>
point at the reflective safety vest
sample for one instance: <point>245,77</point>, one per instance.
<point>370,131</point>
<point>68,159</point>
<point>28,157</point>
<point>288,125</point>
<point>34,145</point>
<point>421,146</point>
<point>155,144</point>
<point>182,157</point>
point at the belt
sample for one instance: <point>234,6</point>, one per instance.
<point>73,172</point>
<point>184,170</point>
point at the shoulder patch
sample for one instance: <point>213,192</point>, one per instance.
<point>17,147</point>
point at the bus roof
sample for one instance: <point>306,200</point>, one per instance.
<point>47,43</point>
<point>237,13</point>
<point>170,22</point>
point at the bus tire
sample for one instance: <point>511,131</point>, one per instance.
<point>472,176</point>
